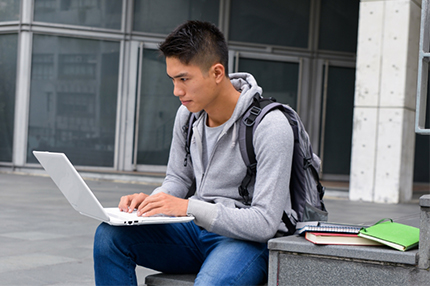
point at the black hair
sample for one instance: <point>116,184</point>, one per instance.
<point>197,42</point>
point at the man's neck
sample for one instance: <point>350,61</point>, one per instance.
<point>223,109</point>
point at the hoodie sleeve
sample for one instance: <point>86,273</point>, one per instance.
<point>179,178</point>
<point>273,143</point>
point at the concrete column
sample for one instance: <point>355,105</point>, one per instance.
<point>383,139</point>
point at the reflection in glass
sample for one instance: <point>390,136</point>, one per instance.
<point>271,22</point>
<point>73,99</point>
<point>339,25</point>
<point>158,108</point>
<point>278,79</point>
<point>8,56</point>
<point>91,13</point>
<point>162,16</point>
<point>9,10</point>
<point>338,121</point>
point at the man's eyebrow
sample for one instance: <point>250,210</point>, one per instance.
<point>179,75</point>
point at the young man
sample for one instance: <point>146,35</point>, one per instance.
<point>226,244</point>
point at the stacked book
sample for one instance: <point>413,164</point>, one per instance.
<point>396,235</point>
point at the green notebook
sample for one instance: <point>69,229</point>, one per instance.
<point>396,235</point>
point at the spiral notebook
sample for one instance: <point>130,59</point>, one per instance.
<point>317,226</point>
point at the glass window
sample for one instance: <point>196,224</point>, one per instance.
<point>271,22</point>
<point>8,56</point>
<point>339,25</point>
<point>162,16</point>
<point>422,147</point>
<point>278,79</point>
<point>73,99</point>
<point>422,158</point>
<point>92,13</point>
<point>338,120</point>
<point>9,10</point>
<point>158,108</point>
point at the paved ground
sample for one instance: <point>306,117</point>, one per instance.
<point>43,241</point>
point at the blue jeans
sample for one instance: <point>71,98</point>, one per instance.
<point>176,248</point>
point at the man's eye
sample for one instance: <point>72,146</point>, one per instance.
<point>184,79</point>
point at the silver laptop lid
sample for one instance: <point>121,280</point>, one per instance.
<point>71,184</point>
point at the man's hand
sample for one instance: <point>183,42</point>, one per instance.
<point>160,203</point>
<point>131,202</point>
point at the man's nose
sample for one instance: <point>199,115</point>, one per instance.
<point>177,91</point>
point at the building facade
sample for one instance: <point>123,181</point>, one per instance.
<point>85,77</point>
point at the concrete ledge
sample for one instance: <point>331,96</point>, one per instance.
<point>298,244</point>
<point>425,201</point>
<point>297,269</point>
<point>295,261</point>
<point>170,279</point>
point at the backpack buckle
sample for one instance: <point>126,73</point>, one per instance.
<point>243,192</point>
<point>307,162</point>
<point>253,113</point>
<point>243,188</point>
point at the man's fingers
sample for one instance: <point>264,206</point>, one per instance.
<point>136,201</point>
<point>130,202</point>
<point>124,203</point>
<point>149,207</point>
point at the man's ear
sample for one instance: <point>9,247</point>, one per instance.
<point>218,72</point>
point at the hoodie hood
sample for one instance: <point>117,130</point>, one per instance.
<point>247,85</point>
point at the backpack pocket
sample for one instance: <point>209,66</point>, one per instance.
<point>312,213</point>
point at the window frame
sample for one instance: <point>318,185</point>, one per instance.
<point>423,71</point>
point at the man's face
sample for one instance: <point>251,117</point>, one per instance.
<point>196,90</point>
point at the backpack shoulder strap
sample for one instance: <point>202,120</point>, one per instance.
<point>187,128</point>
<point>249,122</point>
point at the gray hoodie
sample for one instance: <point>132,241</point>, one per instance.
<point>216,204</point>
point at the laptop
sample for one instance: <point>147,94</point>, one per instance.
<point>82,199</point>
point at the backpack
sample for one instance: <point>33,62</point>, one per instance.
<point>306,191</point>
